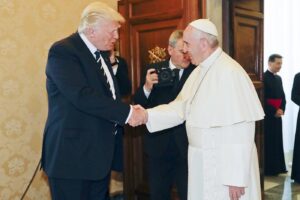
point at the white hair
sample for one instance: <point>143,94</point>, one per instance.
<point>96,12</point>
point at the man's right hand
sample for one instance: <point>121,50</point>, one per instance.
<point>139,116</point>
<point>279,113</point>
<point>151,79</point>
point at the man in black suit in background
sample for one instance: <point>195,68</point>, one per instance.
<point>167,150</point>
<point>85,108</point>
<point>296,155</point>
<point>274,106</point>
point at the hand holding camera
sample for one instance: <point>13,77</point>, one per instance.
<point>166,76</point>
<point>151,79</point>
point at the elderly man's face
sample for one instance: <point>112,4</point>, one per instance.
<point>105,37</point>
<point>191,38</point>
<point>178,57</point>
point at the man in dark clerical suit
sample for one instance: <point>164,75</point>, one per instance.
<point>296,156</point>
<point>85,108</point>
<point>166,150</point>
<point>274,106</point>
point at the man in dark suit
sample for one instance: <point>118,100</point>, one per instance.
<point>296,155</point>
<point>166,150</point>
<point>274,106</point>
<point>85,108</point>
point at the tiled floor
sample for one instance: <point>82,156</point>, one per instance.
<point>281,188</point>
<point>276,188</point>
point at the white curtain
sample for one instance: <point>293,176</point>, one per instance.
<point>282,36</point>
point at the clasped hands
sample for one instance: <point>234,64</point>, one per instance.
<point>235,193</point>
<point>279,113</point>
<point>139,116</point>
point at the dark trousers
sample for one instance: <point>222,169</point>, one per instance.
<point>69,189</point>
<point>166,171</point>
<point>117,163</point>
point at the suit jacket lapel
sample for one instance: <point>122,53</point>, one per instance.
<point>108,64</point>
<point>90,61</point>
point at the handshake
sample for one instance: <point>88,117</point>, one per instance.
<point>138,116</point>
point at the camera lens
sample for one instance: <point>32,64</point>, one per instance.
<point>165,75</point>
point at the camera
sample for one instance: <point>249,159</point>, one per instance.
<point>166,76</point>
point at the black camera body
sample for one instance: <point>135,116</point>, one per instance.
<point>166,76</point>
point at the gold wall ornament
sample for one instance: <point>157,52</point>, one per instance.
<point>157,54</point>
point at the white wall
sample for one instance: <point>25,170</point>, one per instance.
<point>281,36</point>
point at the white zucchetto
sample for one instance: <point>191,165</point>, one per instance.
<point>205,25</point>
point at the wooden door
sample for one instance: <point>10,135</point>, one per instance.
<point>243,40</point>
<point>149,23</point>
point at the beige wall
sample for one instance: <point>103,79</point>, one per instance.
<point>214,13</point>
<point>27,30</point>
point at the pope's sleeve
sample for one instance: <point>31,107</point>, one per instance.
<point>236,153</point>
<point>172,114</point>
<point>167,115</point>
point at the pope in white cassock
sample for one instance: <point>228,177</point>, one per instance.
<point>220,106</point>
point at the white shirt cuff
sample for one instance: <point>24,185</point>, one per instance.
<point>147,94</point>
<point>129,115</point>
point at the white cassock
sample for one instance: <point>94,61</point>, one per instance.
<point>220,106</point>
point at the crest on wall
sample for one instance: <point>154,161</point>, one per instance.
<point>157,54</point>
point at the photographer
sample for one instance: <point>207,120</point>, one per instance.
<point>167,162</point>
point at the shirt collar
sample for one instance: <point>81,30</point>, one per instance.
<point>172,66</point>
<point>89,45</point>
<point>210,59</point>
<point>271,71</point>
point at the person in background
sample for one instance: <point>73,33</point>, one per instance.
<point>220,105</point>
<point>166,150</point>
<point>296,156</point>
<point>84,108</point>
<point>120,70</point>
<point>274,106</point>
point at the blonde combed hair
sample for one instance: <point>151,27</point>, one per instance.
<point>96,12</point>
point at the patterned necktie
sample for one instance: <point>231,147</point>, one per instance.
<point>97,53</point>
<point>176,81</point>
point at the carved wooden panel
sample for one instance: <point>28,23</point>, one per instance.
<point>154,7</point>
<point>248,41</point>
<point>145,37</point>
<point>254,5</point>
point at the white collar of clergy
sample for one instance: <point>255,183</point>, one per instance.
<point>211,59</point>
